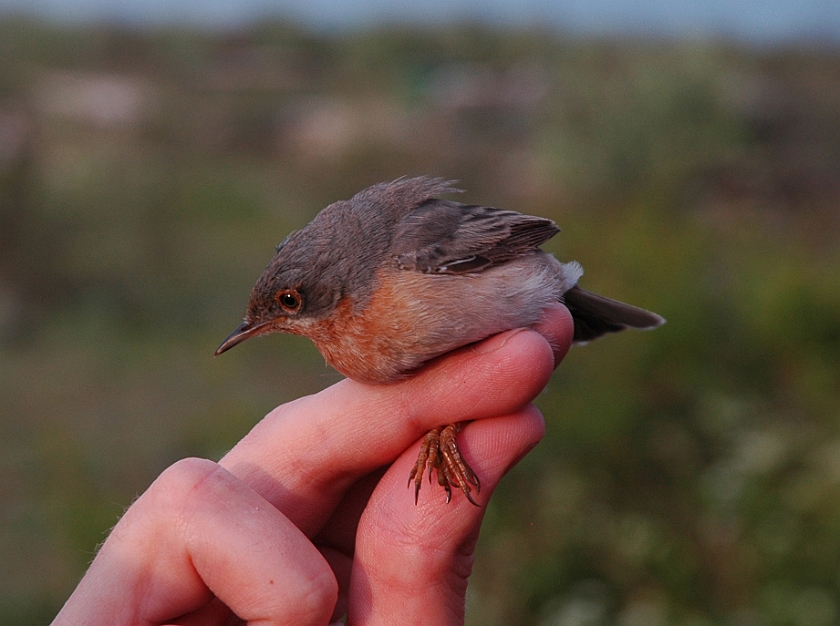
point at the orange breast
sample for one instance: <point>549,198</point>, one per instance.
<point>379,343</point>
<point>414,317</point>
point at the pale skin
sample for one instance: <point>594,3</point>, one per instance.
<point>309,517</point>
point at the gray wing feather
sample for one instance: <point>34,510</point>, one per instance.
<point>441,236</point>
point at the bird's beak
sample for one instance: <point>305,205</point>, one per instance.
<point>245,330</point>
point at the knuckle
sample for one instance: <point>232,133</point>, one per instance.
<point>311,600</point>
<point>318,603</point>
<point>179,480</point>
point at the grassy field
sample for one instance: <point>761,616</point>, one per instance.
<point>690,476</point>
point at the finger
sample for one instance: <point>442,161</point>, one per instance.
<point>558,327</point>
<point>305,454</point>
<point>411,564</point>
<point>187,540</point>
<point>337,539</point>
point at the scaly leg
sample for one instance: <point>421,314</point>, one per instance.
<point>439,451</point>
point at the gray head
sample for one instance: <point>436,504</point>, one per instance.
<point>334,256</point>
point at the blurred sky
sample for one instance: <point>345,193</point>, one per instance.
<point>759,21</point>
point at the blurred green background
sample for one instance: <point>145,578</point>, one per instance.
<point>690,476</point>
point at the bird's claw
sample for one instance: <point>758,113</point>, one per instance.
<point>439,451</point>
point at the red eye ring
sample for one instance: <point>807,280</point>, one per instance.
<point>289,300</point>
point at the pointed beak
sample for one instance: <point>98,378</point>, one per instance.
<point>245,331</point>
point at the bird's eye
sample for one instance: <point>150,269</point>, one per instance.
<point>289,299</point>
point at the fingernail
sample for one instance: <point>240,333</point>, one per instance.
<point>496,342</point>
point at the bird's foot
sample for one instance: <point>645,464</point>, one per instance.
<point>439,451</point>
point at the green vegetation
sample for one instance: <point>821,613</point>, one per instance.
<point>690,476</point>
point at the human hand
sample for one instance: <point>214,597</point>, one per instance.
<point>309,517</point>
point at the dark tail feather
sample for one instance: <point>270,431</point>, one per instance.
<point>596,315</point>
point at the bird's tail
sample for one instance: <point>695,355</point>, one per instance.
<point>596,315</point>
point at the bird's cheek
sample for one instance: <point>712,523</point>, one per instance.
<point>284,324</point>
<point>280,324</point>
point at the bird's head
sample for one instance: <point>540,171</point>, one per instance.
<point>293,293</point>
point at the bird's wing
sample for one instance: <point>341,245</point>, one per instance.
<point>443,237</point>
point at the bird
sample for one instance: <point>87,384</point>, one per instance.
<point>395,276</point>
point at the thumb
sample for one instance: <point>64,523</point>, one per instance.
<point>412,563</point>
